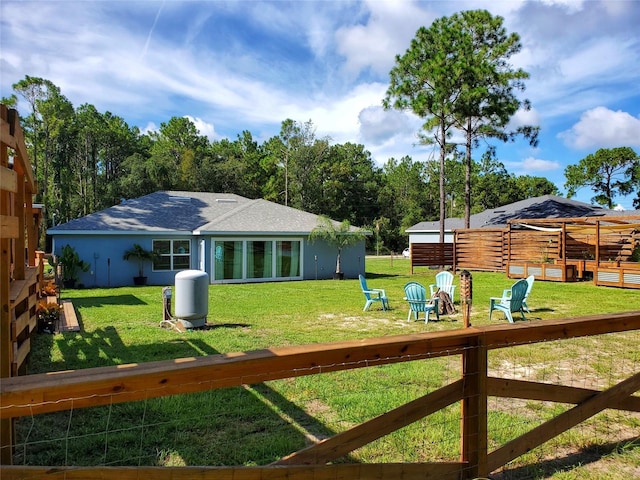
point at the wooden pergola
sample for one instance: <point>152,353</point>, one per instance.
<point>567,249</point>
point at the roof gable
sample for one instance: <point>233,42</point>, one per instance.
<point>263,216</point>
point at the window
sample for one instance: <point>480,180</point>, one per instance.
<point>256,259</point>
<point>173,254</point>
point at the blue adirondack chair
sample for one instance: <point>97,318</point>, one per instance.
<point>444,282</point>
<point>416,295</point>
<point>373,295</point>
<point>511,300</point>
<point>529,280</point>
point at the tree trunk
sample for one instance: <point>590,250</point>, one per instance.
<point>443,199</point>
<point>467,178</point>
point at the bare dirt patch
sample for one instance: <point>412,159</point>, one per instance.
<point>587,450</point>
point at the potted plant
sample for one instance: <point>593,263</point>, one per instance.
<point>48,316</point>
<point>71,263</point>
<point>336,235</point>
<point>140,255</point>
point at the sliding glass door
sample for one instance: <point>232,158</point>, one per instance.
<point>287,259</point>
<point>255,259</point>
<point>228,260</point>
<point>259,259</point>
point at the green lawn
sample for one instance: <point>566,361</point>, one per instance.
<point>261,423</point>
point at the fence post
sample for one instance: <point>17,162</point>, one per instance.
<point>466,296</point>
<point>474,409</point>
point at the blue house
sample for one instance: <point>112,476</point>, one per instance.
<point>232,238</point>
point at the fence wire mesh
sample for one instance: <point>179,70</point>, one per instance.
<point>596,363</point>
<point>260,423</point>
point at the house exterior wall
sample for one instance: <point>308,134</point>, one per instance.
<point>430,237</point>
<point>320,260</point>
<point>104,252</point>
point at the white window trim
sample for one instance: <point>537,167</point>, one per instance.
<point>171,254</point>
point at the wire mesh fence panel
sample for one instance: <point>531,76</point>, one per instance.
<point>581,368</point>
<point>371,407</point>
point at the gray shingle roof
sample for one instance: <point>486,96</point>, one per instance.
<point>546,206</point>
<point>201,212</point>
<point>261,216</point>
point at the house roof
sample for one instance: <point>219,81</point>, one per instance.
<point>197,212</point>
<point>546,206</point>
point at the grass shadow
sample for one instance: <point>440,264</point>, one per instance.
<point>215,326</point>
<point>109,300</point>
<point>371,276</point>
<point>541,310</point>
<point>104,347</point>
<point>315,430</point>
<point>171,430</point>
<point>585,456</point>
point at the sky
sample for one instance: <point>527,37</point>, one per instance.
<point>249,65</point>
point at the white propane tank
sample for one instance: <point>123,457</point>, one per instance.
<point>192,298</point>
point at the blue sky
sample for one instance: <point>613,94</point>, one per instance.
<point>248,65</point>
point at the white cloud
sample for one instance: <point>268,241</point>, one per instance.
<point>324,61</point>
<point>537,165</point>
<point>338,116</point>
<point>204,128</point>
<point>401,146</point>
<point>378,125</point>
<point>610,54</point>
<point>525,117</point>
<point>570,5</point>
<point>388,31</point>
<point>603,128</point>
<point>149,128</point>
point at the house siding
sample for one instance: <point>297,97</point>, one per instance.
<point>108,268</point>
<point>104,252</point>
<point>430,237</point>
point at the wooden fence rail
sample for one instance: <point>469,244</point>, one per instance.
<point>36,394</point>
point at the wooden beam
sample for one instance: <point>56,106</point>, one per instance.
<point>356,437</point>
<point>56,391</point>
<point>597,243</point>
<point>633,218</point>
<point>546,392</point>
<point>563,422</point>
<point>9,226</point>
<point>365,471</point>
<point>523,333</point>
<point>8,180</point>
<point>20,353</point>
<point>31,217</point>
<point>19,256</point>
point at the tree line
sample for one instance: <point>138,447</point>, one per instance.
<point>455,75</point>
<point>85,161</point>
